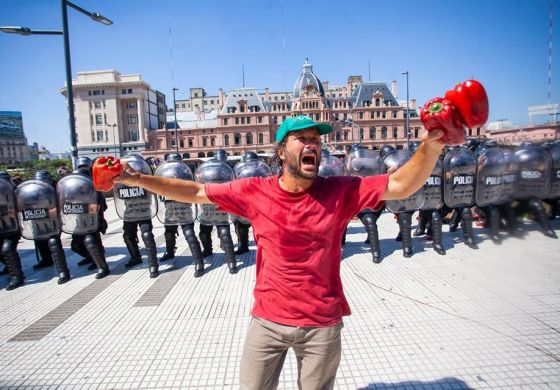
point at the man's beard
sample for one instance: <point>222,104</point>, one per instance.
<point>293,166</point>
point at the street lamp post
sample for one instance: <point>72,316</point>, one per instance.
<point>69,90</point>
<point>407,112</point>
<point>114,142</point>
<point>175,121</point>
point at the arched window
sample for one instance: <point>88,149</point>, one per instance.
<point>372,132</point>
<point>201,154</point>
<point>377,102</point>
<point>237,139</point>
<point>261,138</point>
<point>226,140</point>
<point>186,155</point>
<point>383,132</point>
<point>249,137</point>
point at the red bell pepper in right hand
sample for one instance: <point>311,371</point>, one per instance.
<point>471,101</point>
<point>439,113</point>
<point>105,169</point>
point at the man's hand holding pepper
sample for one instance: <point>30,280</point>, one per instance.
<point>128,176</point>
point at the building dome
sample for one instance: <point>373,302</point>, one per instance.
<point>308,83</point>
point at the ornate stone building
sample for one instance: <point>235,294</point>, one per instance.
<point>359,112</point>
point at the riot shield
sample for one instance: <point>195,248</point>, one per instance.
<point>533,178</point>
<point>364,162</point>
<point>8,212</point>
<point>135,203</point>
<point>433,189</point>
<point>490,172</point>
<point>509,181</point>
<point>37,213</point>
<point>459,172</point>
<point>555,176</point>
<point>171,212</point>
<point>77,204</point>
<point>330,165</point>
<point>213,171</point>
<point>394,161</point>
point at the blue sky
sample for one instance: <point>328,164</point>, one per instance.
<point>502,43</point>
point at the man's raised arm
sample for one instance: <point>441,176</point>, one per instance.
<point>413,174</point>
<point>185,191</point>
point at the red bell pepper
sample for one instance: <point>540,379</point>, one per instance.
<point>471,100</point>
<point>439,113</point>
<point>105,169</point>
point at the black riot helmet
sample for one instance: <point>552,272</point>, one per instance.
<point>489,143</point>
<point>173,157</point>
<point>44,176</point>
<point>220,155</point>
<point>472,144</point>
<point>386,149</point>
<point>250,156</point>
<point>5,176</point>
<point>413,146</point>
<point>84,162</point>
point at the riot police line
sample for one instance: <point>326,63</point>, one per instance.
<point>499,182</point>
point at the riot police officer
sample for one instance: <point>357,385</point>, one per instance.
<point>81,212</point>
<point>38,218</point>
<point>459,175</point>
<point>9,232</point>
<point>249,166</point>
<point>137,207</point>
<point>365,162</point>
<point>216,171</point>
<point>172,214</point>
<point>404,208</point>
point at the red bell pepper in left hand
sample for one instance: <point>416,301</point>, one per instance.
<point>439,113</point>
<point>105,169</point>
<point>471,100</point>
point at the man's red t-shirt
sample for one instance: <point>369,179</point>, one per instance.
<point>298,237</point>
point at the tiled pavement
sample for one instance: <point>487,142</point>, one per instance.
<point>487,318</point>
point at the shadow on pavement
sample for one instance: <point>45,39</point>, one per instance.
<point>444,383</point>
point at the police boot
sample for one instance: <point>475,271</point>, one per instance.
<point>370,224</point>
<point>405,222</point>
<point>170,233</point>
<point>437,235</point>
<point>540,216</point>
<point>467,225</point>
<point>454,220</point>
<point>59,258</point>
<point>227,245</point>
<point>206,239</point>
<point>510,220</point>
<point>95,251</point>
<point>194,246</point>
<point>422,221</point>
<point>13,264</point>
<point>42,247</point>
<point>493,221</point>
<point>132,246</point>
<point>242,231</point>
<point>150,243</point>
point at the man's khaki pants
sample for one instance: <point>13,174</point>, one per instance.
<point>317,352</point>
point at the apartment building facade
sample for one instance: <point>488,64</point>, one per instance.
<point>13,143</point>
<point>114,113</point>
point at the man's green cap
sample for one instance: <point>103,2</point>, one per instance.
<point>297,123</point>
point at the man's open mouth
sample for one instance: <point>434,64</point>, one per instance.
<point>309,160</point>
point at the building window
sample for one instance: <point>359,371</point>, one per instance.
<point>416,131</point>
<point>249,137</point>
<point>98,119</point>
<point>182,143</point>
<point>394,114</point>
<point>345,136</point>
<point>134,135</point>
<point>226,140</point>
<point>361,133</point>
<point>132,119</point>
<point>204,142</point>
<point>377,102</point>
<point>261,138</point>
<point>383,114</point>
<point>131,105</point>
<point>97,104</point>
<point>236,121</point>
<point>395,132</point>
<point>237,139</point>
<point>212,141</point>
<point>99,135</point>
<point>190,142</point>
<point>259,119</point>
<point>384,132</point>
<point>361,115</point>
<point>225,121</point>
<point>372,132</point>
